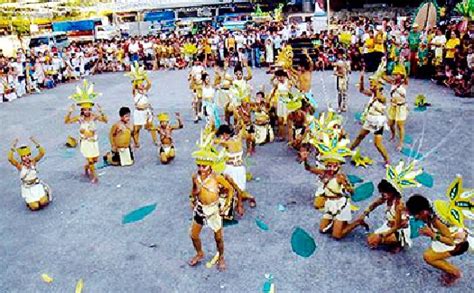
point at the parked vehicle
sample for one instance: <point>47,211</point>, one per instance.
<point>161,21</point>
<point>47,41</point>
<point>192,25</point>
<point>106,32</point>
<point>236,21</point>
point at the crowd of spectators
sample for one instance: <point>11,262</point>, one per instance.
<point>443,54</point>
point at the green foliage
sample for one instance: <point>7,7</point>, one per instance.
<point>466,8</point>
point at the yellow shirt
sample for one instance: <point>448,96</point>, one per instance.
<point>369,45</point>
<point>379,43</point>
<point>451,47</point>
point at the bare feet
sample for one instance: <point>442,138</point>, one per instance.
<point>221,264</point>
<point>94,180</point>
<point>392,137</point>
<point>252,203</point>
<point>240,210</point>
<point>399,147</point>
<point>449,279</point>
<point>196,259</point>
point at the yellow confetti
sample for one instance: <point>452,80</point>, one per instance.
<point>47,278</point>
<point>354,208</point>
<point>79,286</point>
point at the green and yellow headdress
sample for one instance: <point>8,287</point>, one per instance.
<point>208,155</point>
<point>241,91</point>
<point>403,175</point>
<point>23,151</point>
<point>85,95</point>
<point>458,207</point>
<point>295,101</point>
<point>332,149</point>
<point>137,74</point>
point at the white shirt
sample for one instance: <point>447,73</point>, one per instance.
<point>133,48</point>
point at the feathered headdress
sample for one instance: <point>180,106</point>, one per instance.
<point>285,58</point>
<point>137,73</point>
<point>332,149</point>
<point>162,117</point>
<point>376,78</point>
<point>241,91</point>
<point>399,69</point>
<point>207,154</point>
<point>458,207</point>
<point>403,175</point>
<point>295,101</point>
<point>189,49</point>
<point>85,95</point>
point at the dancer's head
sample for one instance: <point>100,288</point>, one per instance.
<point>124,113</point>
<point>224,132</point>
<point>419,207</point>
<point>388,191</point>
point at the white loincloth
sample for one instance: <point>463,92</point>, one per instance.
<point>339,207</point>
<point>34,192</point>
<point>403,234</point>
<point>141,117</point>
<point>125,157</point>
<point>238,174</point>
<point>90,149</point>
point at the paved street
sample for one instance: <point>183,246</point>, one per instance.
<point>81,235</point>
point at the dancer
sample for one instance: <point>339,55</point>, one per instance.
<point>195,84</point>
<point>143,112</point>
<point>398,110</point>
<point>342,71</point>
<point>332,195</point>
<point>305,76</point>
<point>120,138</point>
<point>243,118</point>
<point>35,192</point>
<point>447,241</point>
<point>205,195</point>
<point>167,151</point>
<point>241,89</point>
<point>235,167</point>
<point>280,94</point>
<point>373,118</point>
<point>84,98</point>
<point>263,129</point>
<point>395,231</point>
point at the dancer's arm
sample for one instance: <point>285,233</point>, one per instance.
<point>11,155</point>
<point>41,151</point>
<point>68,119</point>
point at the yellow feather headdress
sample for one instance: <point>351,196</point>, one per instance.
<point>458,207</point>
<point>137,73</point>
<point>241,91</point>
<point>189,49</point>
<point>403,175</point>
<point>85,95</point>
<point>207,154</point>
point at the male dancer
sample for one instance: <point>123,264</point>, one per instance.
<point>120,137</point>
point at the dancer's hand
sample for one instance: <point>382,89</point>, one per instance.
<point>15,142</point>
<point>72,108</point>
<point>426,231</point>
<point>34,140</point>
